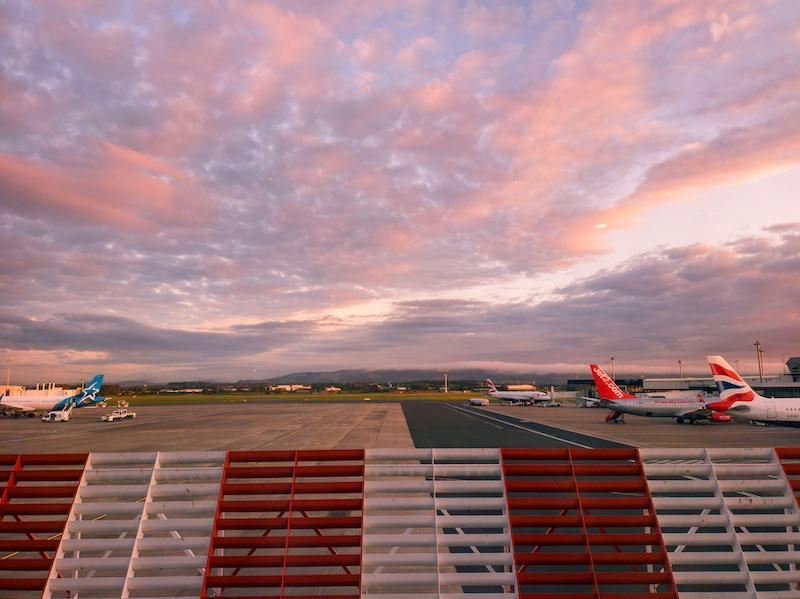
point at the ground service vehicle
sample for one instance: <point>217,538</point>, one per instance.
<point>56,416</point>
<point>121,414</point>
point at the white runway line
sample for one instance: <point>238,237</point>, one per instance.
<point>527,430</point>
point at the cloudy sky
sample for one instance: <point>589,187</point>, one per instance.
<point>223,189</point>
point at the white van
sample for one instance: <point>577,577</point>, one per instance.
<point>56,416</point>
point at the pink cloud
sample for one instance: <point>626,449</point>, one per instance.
<point>291,40</point>
<point>437,96</point>
<point>415,55</point>
<point>414,144</point>
<point>114,186</point>
<point>375,49</point>
<point>737,156</point>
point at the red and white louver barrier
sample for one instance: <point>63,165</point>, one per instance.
<point>403,524</point>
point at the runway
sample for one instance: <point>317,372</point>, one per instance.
<point>456,425</point>
<point>331,424</point>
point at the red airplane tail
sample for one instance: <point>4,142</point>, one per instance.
<point>606,388</point>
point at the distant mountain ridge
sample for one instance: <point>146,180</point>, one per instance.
<point>409,375</point>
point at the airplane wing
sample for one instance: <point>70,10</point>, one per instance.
<point>595,401</point>
<point>9,406</point>
<point>603,403</point>
<point>698,413</point>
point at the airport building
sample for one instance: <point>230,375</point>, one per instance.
<point>289,389</point>
<point>784,385</point>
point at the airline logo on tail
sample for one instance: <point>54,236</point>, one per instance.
<point>492,388</point>
<point>90,391</point>
<point>606,388</point>
<point>86,397</point>
<point>732,387</point>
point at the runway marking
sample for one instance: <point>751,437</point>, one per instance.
<point>475,416</point>
<point>528,430</point>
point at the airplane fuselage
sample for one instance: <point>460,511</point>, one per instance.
<point>656,407</point>
<point>29,403</point>
<point>520,395</point>
<point>782,411</point>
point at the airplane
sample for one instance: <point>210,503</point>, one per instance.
<point>517,397</point>
<point>30,404</point>
<point>681,406</point>
<point>738,400</point>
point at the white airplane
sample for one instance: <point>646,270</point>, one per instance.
<point>681,406</point>
<point>738,400</point>
<point>30,404</point>
<point>517,396</point>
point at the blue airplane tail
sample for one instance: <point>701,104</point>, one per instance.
<point>85,397</point>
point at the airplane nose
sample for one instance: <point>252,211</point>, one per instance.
<point>718,406</point>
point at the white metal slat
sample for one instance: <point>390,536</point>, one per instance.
<point>188,520</point>
<point>54,573</point>
<point>693,522</point>
<point>125,593</point>
<point>449,575</point>
<point>385,548</point>
<point>397,564</point>
<point>752,487</point>
<point>790,519</point>
<point>95,483</point>
<point>437,534</point>
<point>729,527</point>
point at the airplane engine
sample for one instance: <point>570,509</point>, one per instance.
<point>717,417</point>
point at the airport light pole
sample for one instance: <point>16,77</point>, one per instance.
<point>759,360</point>
<point>680,368</point>
<point>613,378</point>
<point>8,369</point>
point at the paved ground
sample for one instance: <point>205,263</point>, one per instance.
<point>456,425</point>
<point>214,427</point>
<point>652,432</point>
<point>359,424</point>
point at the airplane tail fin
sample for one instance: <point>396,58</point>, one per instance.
<point>491,385</point>
<point>88,395</point>
<point>731,386</point>
<point>606,388</point>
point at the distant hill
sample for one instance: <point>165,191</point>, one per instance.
<point>407,376</point>
<point>382,376</point>
<point>127,384</point>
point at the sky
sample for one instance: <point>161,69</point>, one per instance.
<point>223,190</point>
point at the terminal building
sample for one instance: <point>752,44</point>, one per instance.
<point>784,385</point>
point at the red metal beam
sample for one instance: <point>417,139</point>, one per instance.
<point>217,514</point>
<point>54,459</point>
<point>583,484</point>
<point>57,510</point>
<point>273,542</point>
